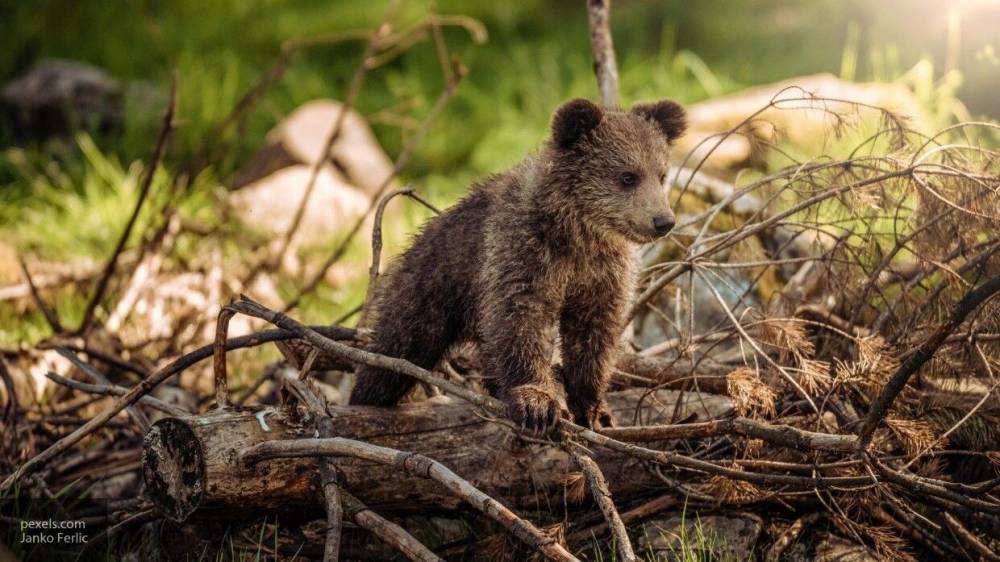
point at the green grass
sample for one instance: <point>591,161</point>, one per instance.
<point>688,543</point>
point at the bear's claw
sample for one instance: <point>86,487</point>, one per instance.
<point>595,416</point>
<point>533,408</point>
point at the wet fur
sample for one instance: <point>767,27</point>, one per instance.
<point>550,241</point>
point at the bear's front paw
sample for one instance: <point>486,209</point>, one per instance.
<point>593,416</point>
<point>532,407</point>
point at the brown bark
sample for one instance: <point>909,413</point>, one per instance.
<point>190,463</point>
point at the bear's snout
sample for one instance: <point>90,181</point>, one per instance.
<point>663,224</point>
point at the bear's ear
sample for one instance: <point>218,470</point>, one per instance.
<point>668,115</point>
<point>573,120</point>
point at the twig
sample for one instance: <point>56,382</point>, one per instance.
<point>147,182</point>
<point>95,354</point>
<point>353,90</point>
<point>386,530</point>
<point>219,358</point>
<point>912,364</point>
<point>148,384</point>
<point>377,242</point>
<point>925,486</point>
<point>146,269</point>
<point>598,485</point>
<point>329,478</point>
<point>114,390</point>
<point>50,316</point>
<point>334,510</point>
<point>789,535</point>
<point>251,308</point>
<point>417,465</point>
<point>970,540</point>
<point>401,161</point>
<point>269,78</point>
<point>136,414</point>
<point>647,509</point>
<point>784,435</point>
<point>912,528</point>
<point>144,516</point>
<point>8,382</point>
<point>677,460</point>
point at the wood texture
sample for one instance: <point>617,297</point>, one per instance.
<point>190,464</point>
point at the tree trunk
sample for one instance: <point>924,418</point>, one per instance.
<point>191,464</point>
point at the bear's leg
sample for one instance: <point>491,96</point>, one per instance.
<point>516,352</point>
<point>421,341</point>
<point>589,328</point>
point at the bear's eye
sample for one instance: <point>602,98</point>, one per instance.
<point>629,179</point>
<point>663,179</point>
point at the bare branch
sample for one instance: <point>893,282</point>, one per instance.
<point>923,354</point>
<point>147,182</point>
<point>417,465</point>
<point>598,485</point>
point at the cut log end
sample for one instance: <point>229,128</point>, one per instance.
<point>173,468</point>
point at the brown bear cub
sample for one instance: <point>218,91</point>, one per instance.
<point>550,241</point>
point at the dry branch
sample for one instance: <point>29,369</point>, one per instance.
<point>354,88</point>
<point>401,162</point>
<point>598,485</point>
<point>114,390</point>
<point>97,377</point>
<point>789,535</point>
<point>147,182</point>
<point>418,465</point>
<point>143,388</point>
<point>373,271</point>
<point>640,512</point>
<point>50,316</point>
<point>387,531</point>
<point>912,364</point>
<point>783,435</point>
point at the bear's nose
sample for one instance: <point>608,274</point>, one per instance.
<point>663,224</point>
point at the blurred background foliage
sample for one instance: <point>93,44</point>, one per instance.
<point>70,198</point>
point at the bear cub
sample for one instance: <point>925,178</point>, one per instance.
<point>550,241</point>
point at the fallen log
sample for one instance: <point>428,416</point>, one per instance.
<point>190,464</point>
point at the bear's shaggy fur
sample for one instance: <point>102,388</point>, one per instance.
<point>550,241</point>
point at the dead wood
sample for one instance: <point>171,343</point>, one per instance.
<point>923,353</point>
<point>783,435</point>
<point>416,465</point>
<point>387,531</point>
<point>147,182</point>
<point>189,462</point>
<point>136,392</point>
<point>598,485</point>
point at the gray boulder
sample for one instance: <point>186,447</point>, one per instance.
<point>56,97</point>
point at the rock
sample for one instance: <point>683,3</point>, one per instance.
<point>802,122</point>
<point>58,96</point>
<point>701,537</point>
<point>301,137</point>
<point>270,203</point>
